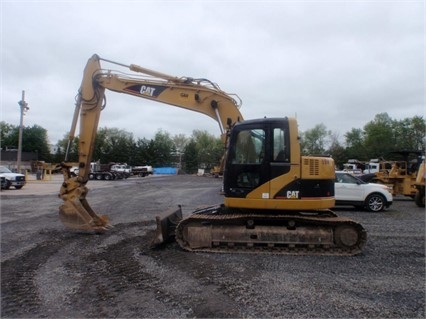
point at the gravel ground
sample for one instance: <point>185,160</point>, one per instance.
<point>50,272</point>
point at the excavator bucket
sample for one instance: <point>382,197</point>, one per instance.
<point>166,226</point>
<point>75,212</point>
<point>78,215</point>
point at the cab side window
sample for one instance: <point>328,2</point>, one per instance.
<point>280,150</point>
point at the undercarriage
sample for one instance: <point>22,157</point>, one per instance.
<point>220,229</point>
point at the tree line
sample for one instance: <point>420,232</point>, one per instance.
<point>376,139</point>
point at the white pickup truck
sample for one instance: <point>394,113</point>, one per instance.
<point>11,179</point>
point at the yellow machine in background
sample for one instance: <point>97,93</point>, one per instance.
<point>420,185</point>
<point>402,175</point>
<point>275,199</point>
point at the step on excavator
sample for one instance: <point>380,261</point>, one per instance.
<point>275,200</point>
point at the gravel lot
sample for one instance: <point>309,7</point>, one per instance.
<point>50,272</point>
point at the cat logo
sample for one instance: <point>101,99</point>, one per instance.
<point>147,90</point>
<point>292,194</point>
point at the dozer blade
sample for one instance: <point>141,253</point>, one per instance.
<point>166,226</point>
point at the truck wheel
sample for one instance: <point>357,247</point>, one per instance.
<point>99,177</point>
<point>7,186</point>
<point>375,202</point>
<point>91,176</point>
<point>108,177</point>
<point>420,198</point>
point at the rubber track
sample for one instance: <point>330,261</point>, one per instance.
<point>211,215</point>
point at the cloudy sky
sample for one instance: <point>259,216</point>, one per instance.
<point>338,63</point>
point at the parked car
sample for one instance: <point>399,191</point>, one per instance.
<point>11,179</point>
<point>351,190</point>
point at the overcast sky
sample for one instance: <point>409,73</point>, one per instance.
<point>333,62</point>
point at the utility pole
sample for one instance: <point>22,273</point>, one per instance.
<point>24,107</point>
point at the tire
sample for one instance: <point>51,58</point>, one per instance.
<point>7,186</point>
<point>91,176</point>
<point>18,187</point>
<point>375,202</point>
<point>420,198</point>
<point>99,177</point>
<point>108,177</point>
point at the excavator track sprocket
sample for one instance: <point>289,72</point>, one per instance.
<point>219,229</point>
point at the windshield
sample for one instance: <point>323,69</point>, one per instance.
<point>4,170</point>
<point>348,179</point>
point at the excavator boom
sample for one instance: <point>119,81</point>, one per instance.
<point>199,95</point>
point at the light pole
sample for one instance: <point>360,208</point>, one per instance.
<point>24,107</point>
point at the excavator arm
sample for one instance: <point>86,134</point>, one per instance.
<point>199,95</point>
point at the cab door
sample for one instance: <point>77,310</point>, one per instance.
<point>259,152</point>
<point>247,164</point>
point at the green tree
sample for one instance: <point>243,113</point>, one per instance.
<point>210,149</point>
<point>354,140</point>
<point>113,145</point>
<point>190,157</point>
<point>379,136</point>
<point>5,135</point>
<point>161,149</point>
<point>409,133</point>
<point>337,151</point>
<point>34,139</point>
<point>141,153</point>
<point>314,141</point>
<point>62,146</point>
<point>179,141</point>
<point>418,129</point>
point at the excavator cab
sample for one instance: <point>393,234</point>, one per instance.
<point>263,169</point>
<point>255,151</point>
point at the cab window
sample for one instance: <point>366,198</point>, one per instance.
<point>280,149</point>
<point>250,147</point>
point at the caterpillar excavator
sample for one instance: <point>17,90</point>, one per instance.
<point>275,200</point>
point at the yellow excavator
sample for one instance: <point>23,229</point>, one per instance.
<point>275,200</point>
<point>420,184</point>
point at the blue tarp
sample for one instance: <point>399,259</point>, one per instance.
<point>165,170</point>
